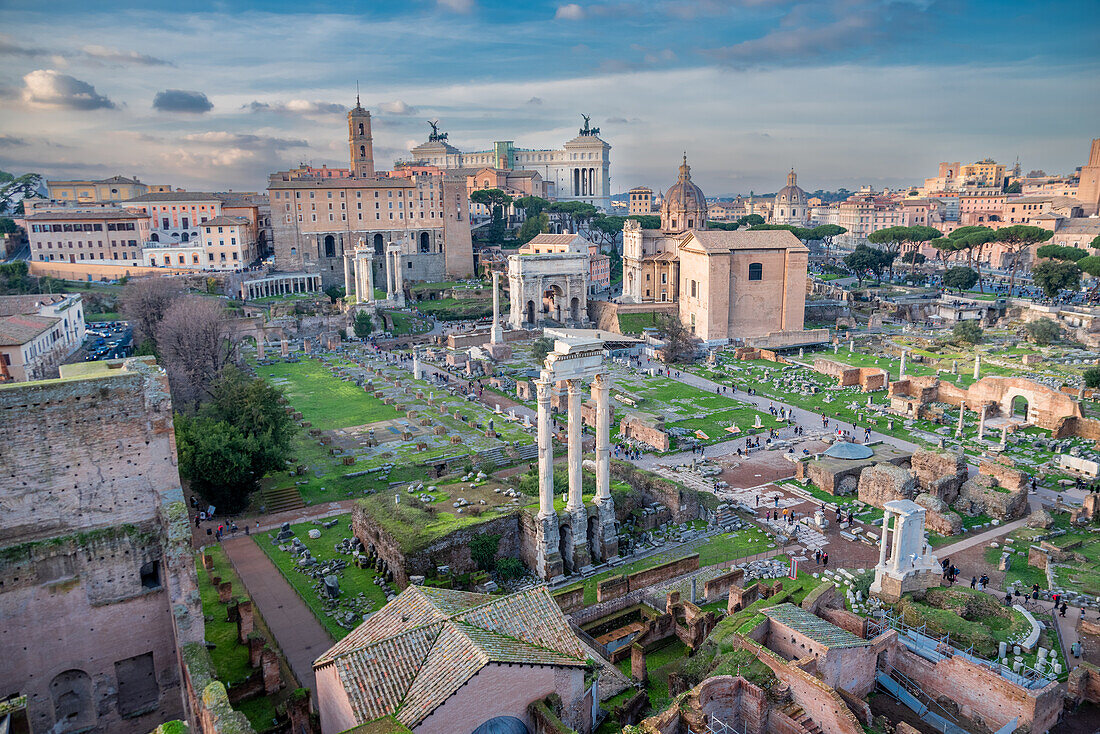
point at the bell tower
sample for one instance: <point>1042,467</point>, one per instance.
<point>360,142</point>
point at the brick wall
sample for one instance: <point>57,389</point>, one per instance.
<point>719,586</point>
<point>570,600</point>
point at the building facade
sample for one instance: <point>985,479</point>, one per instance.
<point>109,190</point>
<point>111,235</point>
<point>791,205</point>
<point>37,333</point>
<point>640,201</point>
<point>579,171</point>
<point>599,265</point>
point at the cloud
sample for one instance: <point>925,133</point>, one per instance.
<point>245,140</point>
<point>10,141</point>
<point>397,107</point>
<point>571,11</point>
<point>622,121</point>
<point>49,88</point>
<point>296,107</point>
<point>116,56</point>
<point>457,6</point>
<point>10,47</point>
<point>182,100</point>
<point>534,101</point>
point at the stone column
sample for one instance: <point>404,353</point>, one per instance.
<point>885,536</point>
<point>981,423</point>
<point>390,277</point>
<point>962,413</point>
<point>399,277</point>
<point>977,364</point>
<point>496,334</point>
<point>901,371</point>
<point>606,546</point>
<point>548,557</point>
<point>897,540</point>
<point>575,429</point>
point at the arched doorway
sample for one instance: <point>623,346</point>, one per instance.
<point>552,301</point>
<point>379,244</point>
<point>530,317</point>
<point>565,547</point>
<point>154,237</point>
<point>575,309</point>
<point>330,246</point>
<point>185,237</point>
<point>595,550</point>
<point>1020,406</point>
<point>73,707</point>
<point>425,242</point>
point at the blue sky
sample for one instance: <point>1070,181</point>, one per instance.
<point>216,95</point>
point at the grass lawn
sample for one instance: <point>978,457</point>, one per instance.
<point>324,400</point>
<point>353,581</point>
<point>983,625</point>
<point>230,658</point>
<point>415,527</point>
<point>458,309</point>
<point>404,323</point>
<point>634,323</point>
<point>106,316</point>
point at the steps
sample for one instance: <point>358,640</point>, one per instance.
<point>493,457</point>
<point>281,500</point>
<point>803,719</point>
<point>528,452</point>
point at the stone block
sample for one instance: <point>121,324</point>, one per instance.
<point>225,591</point>
<point>882,483</point>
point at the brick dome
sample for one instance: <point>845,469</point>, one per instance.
<point>685,206</point>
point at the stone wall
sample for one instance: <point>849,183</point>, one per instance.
<point>981,494</point>
<point>884,483</point>
<point>938,517</point>
<point>941,474</point>
<point>869,379</point>
<point>731,699</point>
<point>719,586</point>
<point>570,600</point>
<point>644,428</point>
<point>684,504</point>
<point>1005,472</point>
<point>1083,683</point>
<point>618,586</point>
<point>981,694</point>
<point>1081,427</point>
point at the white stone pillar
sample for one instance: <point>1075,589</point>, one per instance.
<point>399,284</point>
<point>885,537</point>
<point>981,423</point>
<point>546,449</point>
<point>496,333</point>
<point>576,423</point>
<point>962,413</point>
<point>977,364</point>
<point>601,389</point>
<point>897,540</point>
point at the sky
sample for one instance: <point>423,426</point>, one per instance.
<point>216,95</point>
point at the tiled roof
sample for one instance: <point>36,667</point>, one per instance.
<point>553,239</point>
<point>20,329</point>
<point>224,220</point>
<point>79,215</point>
<point>716,240</point>
<point>28,304</point>
<point>173,196</point>
<point>413,654</point>
<point>813,626</point>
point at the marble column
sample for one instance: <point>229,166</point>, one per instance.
<point>576,424</point>
<point>977,364</point>
<point>885,538</point>
<point>981,423</point>
<point>496,333</point>
<point>390,277</point>
<point>399,277</point>
<point>901,371</point>
<point>606,545</point>
<point>546,450</point>
<point>962,414</point>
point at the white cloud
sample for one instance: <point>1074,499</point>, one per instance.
<point>115,56</point>
<point>243,140</point>
<point>457,6</point>
<point>571,11</point>
<point>49,88</point>
<point>397,107</point>
<point>297,107</point>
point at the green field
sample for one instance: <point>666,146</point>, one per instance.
<point>634,323</point>
<point>353,581</point>
<point>230,658</point>
<point>324,400</point>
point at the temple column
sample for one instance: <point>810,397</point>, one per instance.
<point>883,540</point>
<point>981,423</point>
<point>496,334</point>
<point>390,277</point>
<point>601,388</point>
<point>977,364</point>
<point>548,559</point>
<point>576,424</point>
<point>962,414</point>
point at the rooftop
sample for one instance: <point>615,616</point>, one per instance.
<point>84,214</point>
<point>174,196</point>
<point>28,304</point>
<point>408,658</point>
<point>813,626</point>
<point>224,220</point>
<point>725,241</point>
<point>19,329</point>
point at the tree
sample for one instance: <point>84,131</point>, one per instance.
<point>335,293</point>
<point>898,239</point>
<point>1015,187</point>
<point>215,457</point>
<point>13,189</point>
<point>680,343</point>
<point>541,347</point>
<point>866,261</point>
<point>254,407</point>
<point>1090,265</point>
<point>1054,276</point>
<point>362,325</point>
<point>193,341</point>
<point>1092,377</point>
<point>1061,252</point>
<point>605,230</point>
<point>495,200</point>
<point>913,257</point>
<point>532,227</point>
<point>973,238</point>
<point>8,226</point>
<point>647,221</point>
<point>144,302</point>
<point>483,550</point>
<point>532,205</point>
<point>1095,244</point>
<point>944,246</point>
<point>960,279</point>
<point>573,216</point>
<point>750,220</point>
<point>889,240</point>
<point>967,332</point>
<point>1016,239</point>
<point>723,226</point>
<point>1042,331</point>
<point>826,233</point>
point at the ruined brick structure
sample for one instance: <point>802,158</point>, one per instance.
<point>97,583</point>
<point>867,378</point>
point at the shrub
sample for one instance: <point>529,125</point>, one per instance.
<point>510,568</point>
<point>967,332</point>
<point>1042,331</point>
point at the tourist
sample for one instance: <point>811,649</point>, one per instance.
<point>973,582</point>
<point>825,559</point>
<point>1075,648</point>
<point>817,556</point>
<point>1062,610</point>
<point>1008,599</point>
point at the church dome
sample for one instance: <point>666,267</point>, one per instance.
<point>684,206</point>
<point>791,193</point>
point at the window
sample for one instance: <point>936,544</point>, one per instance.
<point>756,271</point>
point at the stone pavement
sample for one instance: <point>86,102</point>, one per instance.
<point>297,632</point>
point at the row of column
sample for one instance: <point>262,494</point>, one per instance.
<point>584,182</point>
<point>907,540</point>
<point>282,286</point>
<point>395,279</point>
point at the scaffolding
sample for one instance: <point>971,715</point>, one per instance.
<point>717,726</point>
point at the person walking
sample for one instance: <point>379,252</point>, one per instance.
<point>1062,610</point>
<point>973,582</point>
<point>817,556</point>
<point>825,559</point>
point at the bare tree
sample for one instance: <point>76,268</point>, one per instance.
<point>144,303</point>
<point>681,344</point>
<point>194,340</point>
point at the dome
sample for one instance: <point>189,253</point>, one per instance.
<point>791,193</point>
<point>684,206</point>
<point>502,725</point>
<point>849,450</point>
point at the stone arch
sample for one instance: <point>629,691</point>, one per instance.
<point>73,705</point>
<point>379,244</point>
<point>1019,405</point>
<point>575,308</point>
<point>530,314</point>
<point>154,237</point>
<point>565,547</point>
<point>425,242</point>
<point>330,246</point>
<point>185,237</point>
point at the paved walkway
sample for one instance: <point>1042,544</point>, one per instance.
<point>297,632</point>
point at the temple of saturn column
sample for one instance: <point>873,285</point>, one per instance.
<point>587,535</point>
<point>905,562</point>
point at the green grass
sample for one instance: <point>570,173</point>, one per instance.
<point>405,324</point>
<point>323,399</point>
<point>459,309</point>
<point>634,323</point>
<point>414,527</point>
<point>106,316</point>
<point>353,581</point>
<point>230,658</point>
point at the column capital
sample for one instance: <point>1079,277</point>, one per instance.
<point>574,384</point>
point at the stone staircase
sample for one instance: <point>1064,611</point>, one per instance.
<point>803,719</point>
<point>281,500</point>
<point>493,457</point>
<point>528,452</point>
